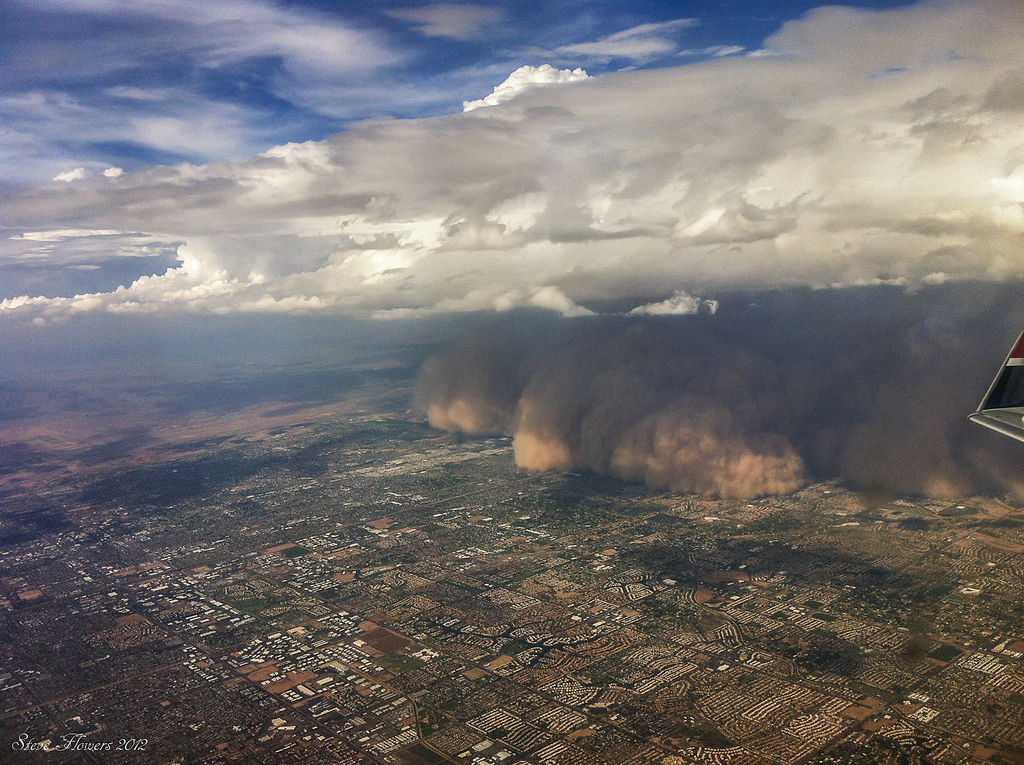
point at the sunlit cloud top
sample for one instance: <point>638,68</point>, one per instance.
<point>131,83</point>
<point>852,146</point>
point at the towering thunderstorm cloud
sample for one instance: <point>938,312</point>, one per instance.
<point>871,385</point>
<point>857,147</point>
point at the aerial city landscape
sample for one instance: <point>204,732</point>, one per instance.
<point>273,581</point>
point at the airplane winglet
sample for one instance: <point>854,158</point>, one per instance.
<point>1002,408</point>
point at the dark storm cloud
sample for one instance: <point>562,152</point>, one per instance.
<point>871,385</point>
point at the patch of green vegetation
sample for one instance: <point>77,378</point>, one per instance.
<point>773,523</point>
<point>914,524</point>
<point>715,739</point>
<point>520,576</point>
<point>955,512</point>
<point>295,552</point>
<point>944,653</point>
<point>512,647</point>
<point>182,737</point>
<point>871,690</point>
<point>399,663</point>
<point>635,509</point>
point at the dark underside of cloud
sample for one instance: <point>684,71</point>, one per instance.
<point>870,385</point>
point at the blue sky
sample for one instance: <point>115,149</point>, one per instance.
<point>384,159</point>
<point>131,83</point>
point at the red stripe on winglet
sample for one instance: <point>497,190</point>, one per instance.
<point>1018,349</point>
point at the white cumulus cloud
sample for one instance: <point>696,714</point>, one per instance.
<point>71,175</point>
<point>524,78</point>
<point>679,304</point>
<point>553,299</point>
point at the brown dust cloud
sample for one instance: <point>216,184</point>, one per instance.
<point>870,385</point>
